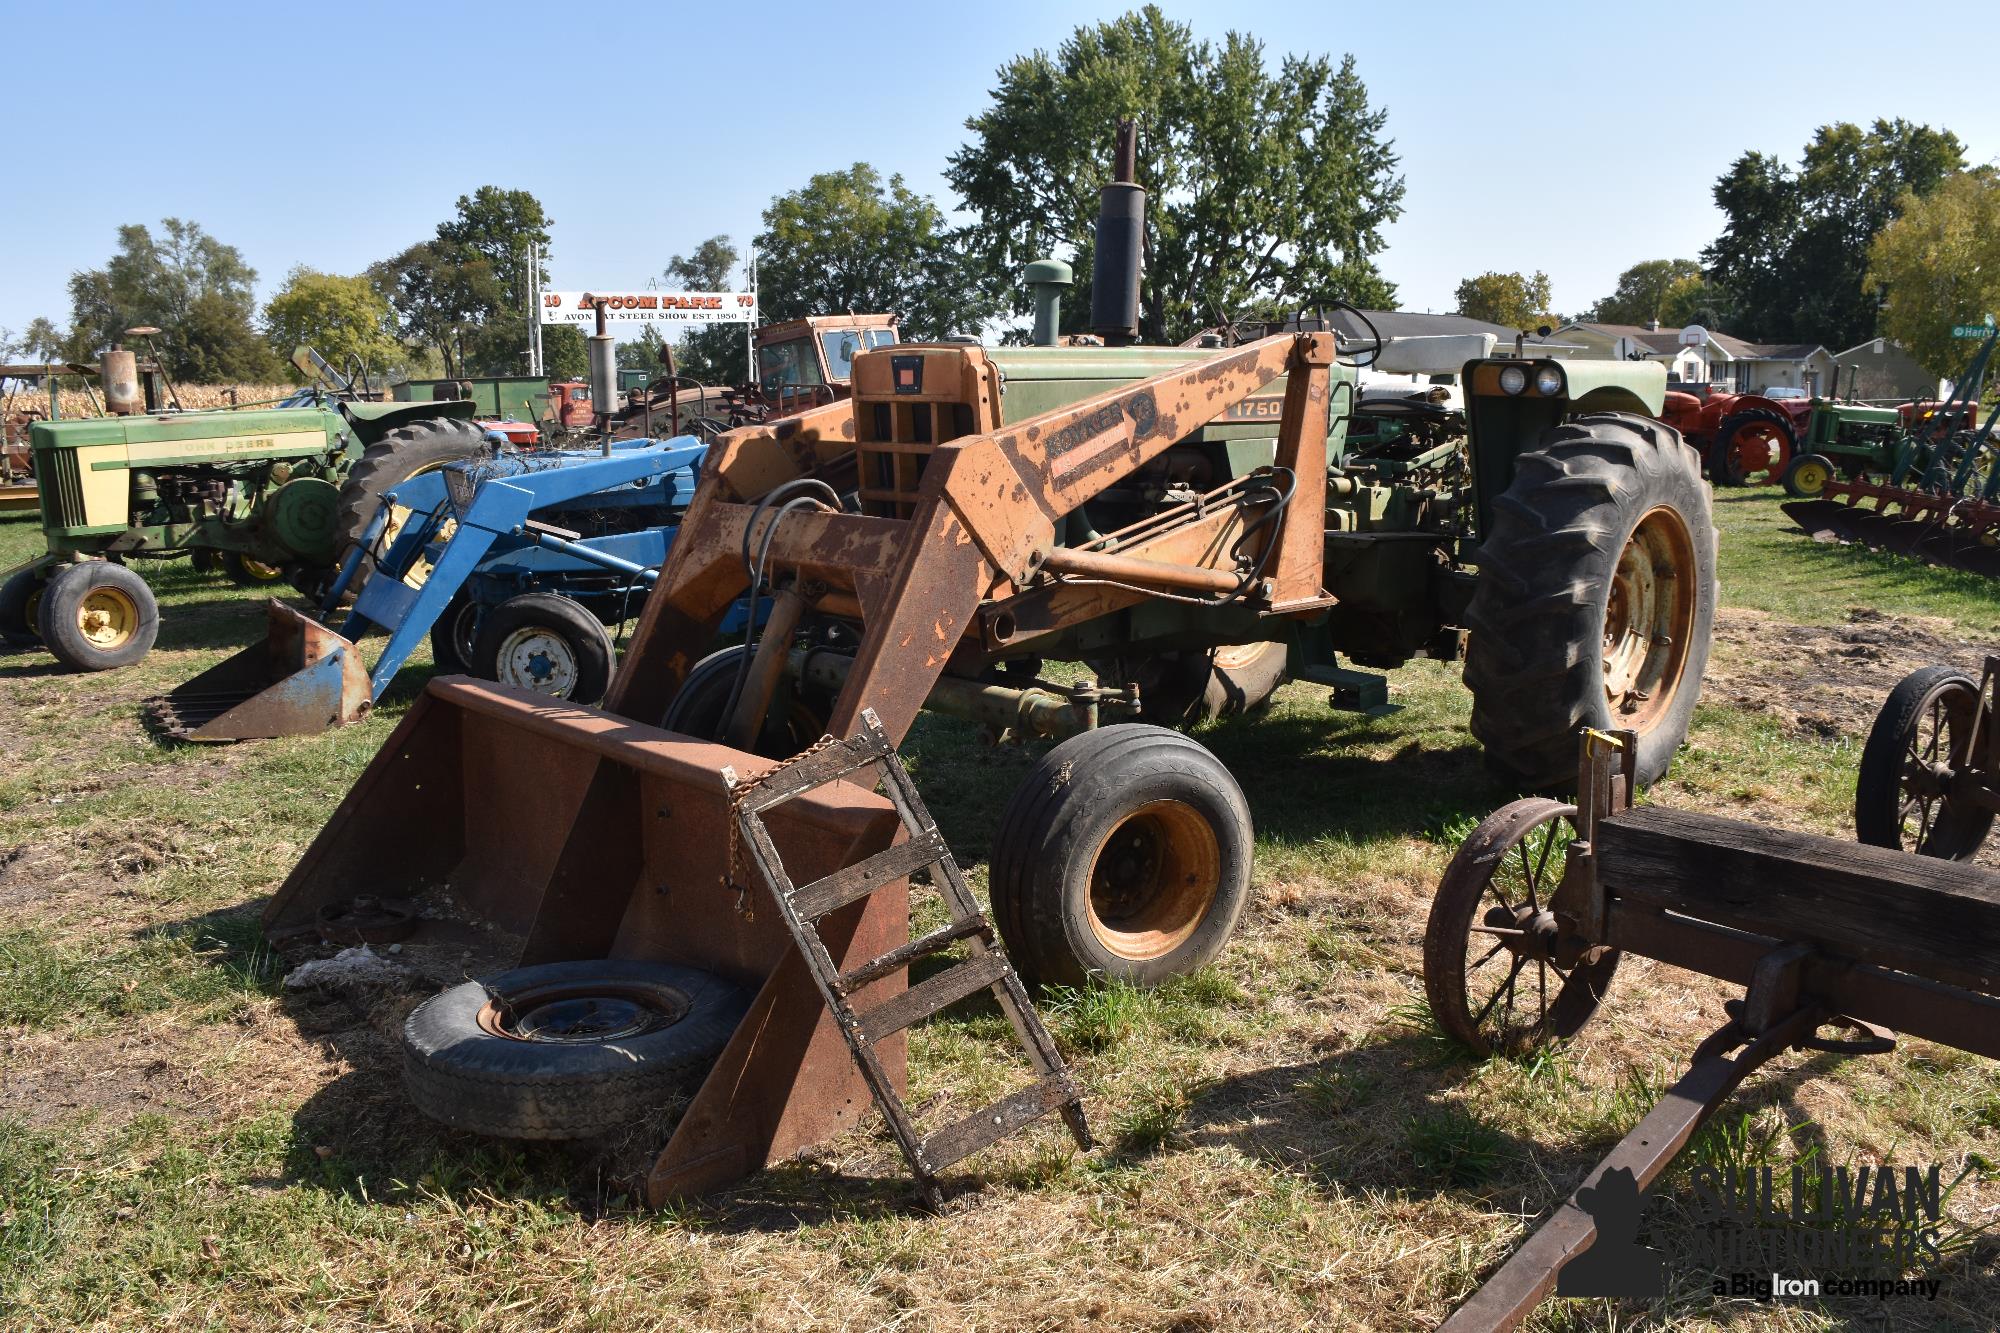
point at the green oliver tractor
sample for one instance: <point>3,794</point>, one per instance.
<point>267,495</point>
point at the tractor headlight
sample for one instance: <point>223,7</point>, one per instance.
<point>1549,382</point>
<point>1513,379</point>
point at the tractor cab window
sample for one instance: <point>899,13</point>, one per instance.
<point>840,345</point>
<point>881,337</point>
<point>787,365</point>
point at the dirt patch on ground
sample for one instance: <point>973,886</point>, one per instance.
<point>1827,681</point>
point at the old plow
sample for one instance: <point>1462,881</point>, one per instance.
<point>1940,501</point>
<point>1839,947</point>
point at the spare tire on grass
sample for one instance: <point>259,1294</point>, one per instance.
<point>566,1050</point>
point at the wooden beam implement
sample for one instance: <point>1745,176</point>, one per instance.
<point>1821,933</point>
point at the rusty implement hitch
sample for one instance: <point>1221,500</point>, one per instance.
<point>302,679</point>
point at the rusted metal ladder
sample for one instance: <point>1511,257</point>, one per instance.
<point>986,967</point>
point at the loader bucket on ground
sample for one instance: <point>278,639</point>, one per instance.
<point>303,678</point>
<point>581,834</point>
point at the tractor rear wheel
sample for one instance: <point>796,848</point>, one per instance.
<point>1751,446</point>
<point>97,616</point>
<point>408,451</point>
<point>455,636</point>
<point>1124,856</point>
<point>1595,600</point>
<point>19,596</point>
<point>796,719</point>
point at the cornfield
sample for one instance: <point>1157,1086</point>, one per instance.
<point>34,403</point>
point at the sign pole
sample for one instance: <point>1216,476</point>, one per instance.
<point>750,329</point>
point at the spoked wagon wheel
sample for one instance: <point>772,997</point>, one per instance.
<point>1910,794</point>
<point>1501,975</point>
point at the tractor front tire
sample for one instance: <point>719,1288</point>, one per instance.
<point>1124,856</point>
<point>19,596</point>
<point>97,616</point>
<point>566,1050</point>
<point>1595,601</point>
<point>405,452</point>
<point>545,642</point>
<point>1807,475</point>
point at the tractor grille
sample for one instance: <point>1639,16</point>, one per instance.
<point>908,401</point>
<point>60,477</point>
<point>896,441</point>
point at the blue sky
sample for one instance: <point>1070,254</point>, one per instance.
<point>1576,139</point>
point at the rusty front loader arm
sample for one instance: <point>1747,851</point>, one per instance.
<point>984,521</point>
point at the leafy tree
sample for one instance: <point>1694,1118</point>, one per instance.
<point>1268,190</point>
<point>1645,290</point>
<point>345,319</point>
<point>43,341</point>
<point>1938,264</point>
<point>464,292</point>
<point>713,355</point>
<point>1794,251</point>
<point>845,241</point>
<point>193,288</point>
<point>1512,299</point>
<point>1695,300</point>
<point>642,352</point>
<point>565,356</point>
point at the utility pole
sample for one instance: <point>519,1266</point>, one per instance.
<point>535,311</point>
<point>750,326</point>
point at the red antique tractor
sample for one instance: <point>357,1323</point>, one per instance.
<point>1744,438</point>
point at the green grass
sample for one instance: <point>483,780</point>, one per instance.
<point>1288,1138</point>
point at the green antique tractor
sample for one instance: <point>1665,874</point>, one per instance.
<point>266,494</point>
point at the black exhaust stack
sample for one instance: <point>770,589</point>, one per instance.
<point>1121,237</point>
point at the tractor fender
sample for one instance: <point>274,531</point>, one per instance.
<point>371,421</point>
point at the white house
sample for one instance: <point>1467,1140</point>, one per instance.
<point>1698,355</point>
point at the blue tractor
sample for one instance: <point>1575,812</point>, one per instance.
<point>513,566</point>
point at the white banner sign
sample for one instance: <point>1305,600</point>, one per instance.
<point>580,308</point>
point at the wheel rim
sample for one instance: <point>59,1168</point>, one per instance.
<point>1928,819</point>
<point>1649,620</point>
<point>259,572</point>
<point>584,1013</point>
<point>1756,447</point>
<point>107,618</point>
<point>1502,971</point>
<point>1153,878</point>
<point>538,659</point>
<point>1811,478</point>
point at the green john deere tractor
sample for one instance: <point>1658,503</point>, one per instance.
<point>268,495</point>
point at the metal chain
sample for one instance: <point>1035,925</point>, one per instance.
<point>737,796</point>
